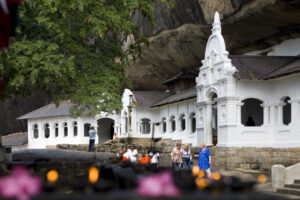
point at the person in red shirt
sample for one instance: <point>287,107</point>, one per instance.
<point>144,159</point>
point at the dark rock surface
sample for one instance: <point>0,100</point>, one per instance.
<point>179,39</point>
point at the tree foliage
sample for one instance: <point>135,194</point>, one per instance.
<point>74,50</point>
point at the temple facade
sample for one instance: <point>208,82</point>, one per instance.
<point>232,101</point>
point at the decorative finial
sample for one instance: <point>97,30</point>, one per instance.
<point>217,23</point>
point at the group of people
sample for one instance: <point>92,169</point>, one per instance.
<point>182,158</point>
<point>131,154</point>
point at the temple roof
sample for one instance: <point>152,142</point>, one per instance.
<point>187,94</point>
<point>15,139</point>
<point>264,67</point>
<point>181,75</point>
<point>51,110</point>
<point>148,98</point>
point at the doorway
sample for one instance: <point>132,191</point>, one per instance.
<point>105,129</point>
<point>214,121</point>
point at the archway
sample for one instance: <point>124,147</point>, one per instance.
<point>105,129</point>
<point>214,119</point>
<point>252,113</point>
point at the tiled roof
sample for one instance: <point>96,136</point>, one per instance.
<point>181,75</point>
<point>291,68</point>
<point>148,98</point>
<point>261,67</point>
<point>187,94</point>
<point>51,110</point>
<point>15,139</point>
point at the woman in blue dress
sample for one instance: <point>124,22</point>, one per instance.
<point>204,161</point>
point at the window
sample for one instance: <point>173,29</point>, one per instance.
<point>145,126</point>
<point>252,112</point>
<point>75,128</point>
<point>56,129</point>
<point>164,125</point>
<point>86,129</point>
<point>172,123</point>
<point>193,122</point>
<point>286,111</point>
<point>182,122</point>
<point>35,131</point>
<point>46,131</point>
<point>65,129</point>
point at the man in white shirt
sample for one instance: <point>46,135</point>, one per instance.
<point>132,154</point>
<point>154,158</point>
<point>92,136</point>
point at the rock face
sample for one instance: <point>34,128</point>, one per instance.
<point>179,39</point>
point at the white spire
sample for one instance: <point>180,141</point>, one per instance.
<point>217,24</point>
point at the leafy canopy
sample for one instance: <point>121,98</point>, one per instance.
<point>74,49</point>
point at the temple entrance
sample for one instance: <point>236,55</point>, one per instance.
<point>214,121</point>
<point>105,129</point>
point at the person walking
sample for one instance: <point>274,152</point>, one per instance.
<point>177,157</point>
<point>92,136</point>
<point>186,157</point>
<point>204,161</point>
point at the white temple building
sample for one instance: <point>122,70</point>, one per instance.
<point>234,101</point>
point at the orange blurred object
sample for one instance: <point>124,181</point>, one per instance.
<point>52,176</point>
<point>93,174</point>
<point>201,174</point>
<point>196,170</point>
<point>201,183</point>
<point>262,178</point>
<point>215,176</point>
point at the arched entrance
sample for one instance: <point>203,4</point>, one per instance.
<point>213,120</point>
<point>214,124</point>
<point>105,129</point>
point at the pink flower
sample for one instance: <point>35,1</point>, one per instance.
<point>20,185</point>
<point>158,185</point>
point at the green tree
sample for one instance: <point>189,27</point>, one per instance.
<point>74,49</point>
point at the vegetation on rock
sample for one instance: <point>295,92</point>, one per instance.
<point>74,50</point>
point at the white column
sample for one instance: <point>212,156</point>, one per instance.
<point>280,114</point>
<point>266,114</point>
<point>294,111</point>
<point>208,123</point>
<point>239,113</point>
<point>272,114</point>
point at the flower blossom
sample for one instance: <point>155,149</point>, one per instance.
<point>158,186</point>
<point>20,185</point>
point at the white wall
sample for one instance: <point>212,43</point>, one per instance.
<point>289,47</point>
<point>42,141</point>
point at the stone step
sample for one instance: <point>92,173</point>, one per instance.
<point>291,191</point>
<point>296,186</point>
<point>297,181</point>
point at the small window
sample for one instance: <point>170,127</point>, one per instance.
<point>173,124</point>
<point>35,131</point>
<point>164,125</point>
<point>145,126</point>
<point>193,122</point>
<point>65,129</point>
<point>56,129</point>
<point>86,129</point>
<point>47,131</point>
<point>75,128</point>
<point>252,112</point>
<point>287,111</point>
<point>182,122</point>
